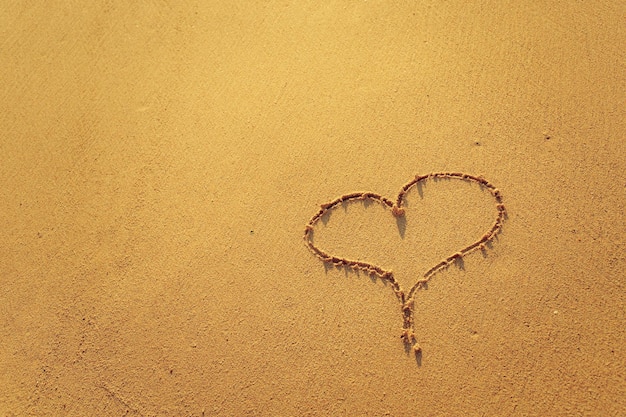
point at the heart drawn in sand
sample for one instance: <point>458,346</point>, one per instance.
<point>406,295</point>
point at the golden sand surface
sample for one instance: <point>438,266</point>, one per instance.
<point>161,162</point>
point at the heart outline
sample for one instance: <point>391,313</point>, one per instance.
<point>406,299</point>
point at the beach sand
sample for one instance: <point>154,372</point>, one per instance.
<point>159,165</point>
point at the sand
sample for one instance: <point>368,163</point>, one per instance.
<point>160,163</point>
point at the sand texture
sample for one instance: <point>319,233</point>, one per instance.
<point>313,208</point>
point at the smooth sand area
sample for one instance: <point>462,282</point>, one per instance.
<point>159,162</point>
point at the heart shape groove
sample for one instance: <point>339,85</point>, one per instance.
<point>406,298</point>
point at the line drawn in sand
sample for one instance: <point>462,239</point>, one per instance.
<point>406,298</point>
